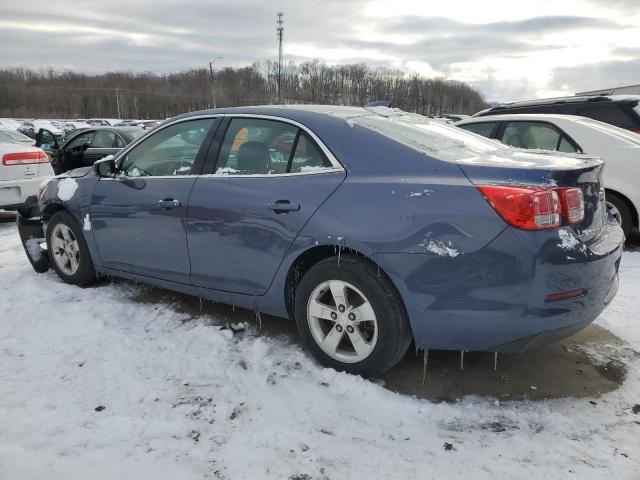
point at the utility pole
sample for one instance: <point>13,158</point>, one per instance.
<point>118,103</point>
<point>280,33</point>
<point>213,81</point>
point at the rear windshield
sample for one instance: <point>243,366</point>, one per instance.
<point>440,140</point>
<point>619,133</point>
<point>612,113</point>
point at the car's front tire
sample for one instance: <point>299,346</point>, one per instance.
<point>68,251</point>
<point>350,317</point>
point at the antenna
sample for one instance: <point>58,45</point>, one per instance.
<point>280,34</point>
<point>612,91</point>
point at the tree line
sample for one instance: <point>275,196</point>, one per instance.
<point>66,94</point>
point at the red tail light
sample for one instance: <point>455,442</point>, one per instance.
<point>637,131</point>
<point>24,158</point>
<point>572,201</point>
<point>527,208</point>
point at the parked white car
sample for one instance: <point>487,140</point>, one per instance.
<point>22,169</point>
<point>619,148</point>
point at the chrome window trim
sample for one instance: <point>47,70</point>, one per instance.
<point>336,165</point>
<point>213,175</point>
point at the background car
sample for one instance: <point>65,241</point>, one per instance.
<point>31,127</point>
<point>146,124</point>
<point>84,146</point>
<point>103,122</point>
<point>9,135</point>
<point>370,229</point>
<point>572,134</point>
<point>619,110</point>
<point>22,169</point>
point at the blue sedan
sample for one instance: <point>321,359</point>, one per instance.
<point>370,227</point>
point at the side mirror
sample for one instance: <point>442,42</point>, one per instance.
<point>105,167</point>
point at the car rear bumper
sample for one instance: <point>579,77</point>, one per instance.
<point>14,193</point>
<point>496,299</point>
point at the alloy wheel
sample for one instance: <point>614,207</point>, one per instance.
<point>65,249</point>
<point>342,321</point>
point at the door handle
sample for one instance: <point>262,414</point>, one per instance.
<point>283,206</point>
<point>169,203</point>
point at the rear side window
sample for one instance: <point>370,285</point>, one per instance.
<point>484,128</point>
<point>535,135</point>
<point>254,146</point>
<point>613,114</point>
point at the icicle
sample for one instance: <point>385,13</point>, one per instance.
<point>495,361</point>
<point>339,251</point>
<point>200,304</point>
<point>259,320</point>
<point>233,308</point>
<point>461,359</point>
<point>424,368</point>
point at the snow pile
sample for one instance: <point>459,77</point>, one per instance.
<point>96,385</point>
<point>443,249</point>
<point>67,188</point>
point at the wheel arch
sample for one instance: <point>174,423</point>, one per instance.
<point>625,199</point>
<point>310,257</point>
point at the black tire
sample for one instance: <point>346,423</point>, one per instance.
<point>625,216</point>
<point>85,274</point>
<point>394,332</point>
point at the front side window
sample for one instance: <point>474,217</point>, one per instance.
<point>171,151</point>
<point>484,128</point>
<point>104,139</point>
<point>81,140</point>
<point>535,135</point>
<point>254,146</point>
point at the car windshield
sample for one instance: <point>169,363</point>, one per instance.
<point>443,141</point>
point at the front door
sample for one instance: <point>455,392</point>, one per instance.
<point>139,216</point>
<point>270,177</point>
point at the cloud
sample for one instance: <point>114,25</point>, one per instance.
<point>595,76</point>
<point>500,57</point>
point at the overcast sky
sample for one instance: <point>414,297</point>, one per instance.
<point>508,50</point>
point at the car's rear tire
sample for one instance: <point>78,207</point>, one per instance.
<point>350,317</point>
<point>68,251</point>
<point>621,212</point>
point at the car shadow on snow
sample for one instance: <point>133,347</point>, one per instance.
<point>587,364</point>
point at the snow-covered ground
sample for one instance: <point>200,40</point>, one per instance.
<point>184,399</point>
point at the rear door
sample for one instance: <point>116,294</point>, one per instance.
<point>139,217</point>
<point>269,178</point>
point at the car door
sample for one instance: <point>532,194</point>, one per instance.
<point>104,142</point>
<point>536,135</point>
<point>139,216</point>
<point>269,178</point>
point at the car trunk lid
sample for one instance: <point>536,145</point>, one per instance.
<point>515,167</point>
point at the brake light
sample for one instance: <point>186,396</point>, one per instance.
<point>637,131</point>
<point>24,158</point>
<point>527,208</point>
<point>572,201</point>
